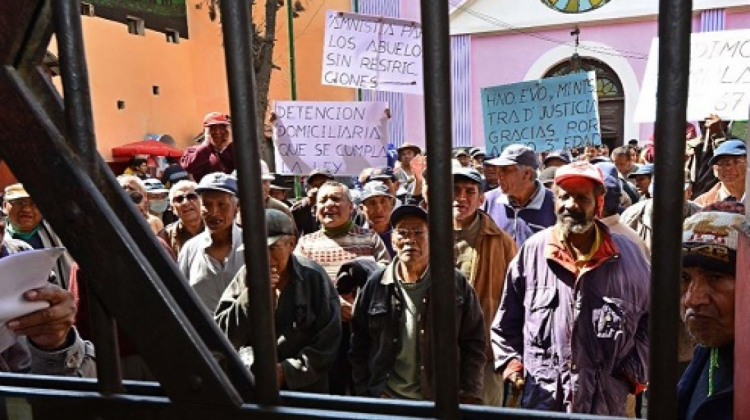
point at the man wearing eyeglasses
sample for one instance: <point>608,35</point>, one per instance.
<point>391,345</point>
<point>729,164</point>
<point>25,222</point>
<point>186,206</point>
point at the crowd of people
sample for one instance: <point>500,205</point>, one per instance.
<point>552,271</point>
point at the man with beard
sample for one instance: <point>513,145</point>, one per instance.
<point>573,321</point>
<point>709,260</point>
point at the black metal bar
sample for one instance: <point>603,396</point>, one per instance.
<point>236,28</point>
<point>79,120</point>
<point>675,19</point>
<point>80,135</point>
<point>438,117</point>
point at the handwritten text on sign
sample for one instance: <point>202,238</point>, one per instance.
<point>547,114</point>
<point>719,77</point>
<point>343,137</point>
<point>369,52</point>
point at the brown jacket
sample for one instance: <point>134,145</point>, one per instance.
<point>494,251</point>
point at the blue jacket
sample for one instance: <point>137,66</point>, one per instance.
<point>582,338</point>
<point>521,222</point>
<point>717,407</point>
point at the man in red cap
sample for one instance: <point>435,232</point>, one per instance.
<point>216,153</point>
<point>573,321</point>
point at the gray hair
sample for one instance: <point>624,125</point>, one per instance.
<point>343,187</point>
<point>181,185</point>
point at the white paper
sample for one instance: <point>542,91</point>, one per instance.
<point>20,273</point>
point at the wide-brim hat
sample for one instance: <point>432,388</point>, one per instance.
<point>409,146</point>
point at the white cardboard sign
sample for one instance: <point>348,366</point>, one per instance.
<point>343,137</point>
<point>719,77</point>
<point>372,52</point>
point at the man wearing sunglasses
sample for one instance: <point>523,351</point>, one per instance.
<point>186,205</point>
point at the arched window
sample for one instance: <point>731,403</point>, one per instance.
<point>609,90</point>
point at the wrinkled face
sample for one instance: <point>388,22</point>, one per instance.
<point>731,169</point>
<point>218,210</point>
<point>406,156</point>
<point>378,210</point>
<point>410,241</point>
<point>23,214</point>
<point>623,163</point>
<point>279,253</point>
<point>333,206</point>
<point>642,183</point>
<point>467,198</point>
<point>707,305</point>
<point>576,206</point>
<point>186,204</point>
<point>218,135</point>
<point>512,179</point>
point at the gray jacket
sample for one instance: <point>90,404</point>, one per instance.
<point>307,320</point>
<point>583,341</point>
<point>77,359</point>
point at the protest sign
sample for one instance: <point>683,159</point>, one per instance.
<point>548,114</point>
<point>719,77</point>
<point>372,52</point>
<point>343,137</point>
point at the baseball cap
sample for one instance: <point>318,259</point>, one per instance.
<point>558,154</point>
<point>278,224</point>
<point>218,181</point>
<point>265,173</point>
<point>477,151</point>
<point>579,170</point>
<point>15,191</point>
<point>729,148</point>
<point>645,169</point>
<point>547,176</point>
<point>407,210</point>
<point>516,154</point>
<point>319,172</point>
<point>215,118</point>
<point>384,173</point>
<point>468,173</point>
<point>461,152</point>
<point>709,240</point>
<point>375,188</point>
<point>154,186</point>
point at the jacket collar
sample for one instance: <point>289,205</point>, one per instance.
<point>537,200</point>
<point>558,252</point>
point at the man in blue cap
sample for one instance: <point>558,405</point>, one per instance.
<point>211,259</point>
<point>729,164</point>
<point>642,179</point>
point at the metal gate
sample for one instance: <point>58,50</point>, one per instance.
<point>49,144</point>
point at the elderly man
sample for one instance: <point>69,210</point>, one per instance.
<point>377,204</point>
<point>186,205</point>
<point>392,348</point>
<point>339,241</point>
<point>133,183</point>
<point>483,253</point>
<point>212,258</point>
<point>25,222</point>
<point>463,157</point>
<point>303,210</point>
<point>729,163</point>
<point>216,153</point>
<point>573,322</point>
<point>709,264</point>
<point>521,205</point>
<point>307,315</point>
